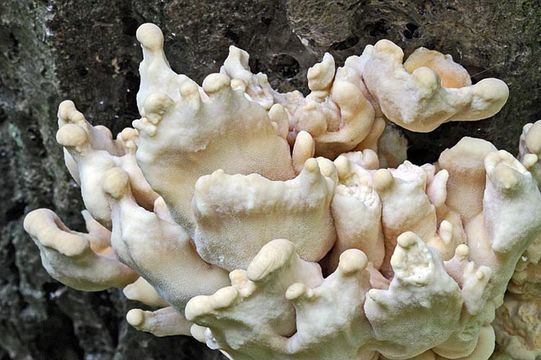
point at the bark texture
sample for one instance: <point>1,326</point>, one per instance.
<point>86,51</point>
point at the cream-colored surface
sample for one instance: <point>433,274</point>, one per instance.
<point>333,252</point>
<point>419,101</point>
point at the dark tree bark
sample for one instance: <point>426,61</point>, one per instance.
<point>86,51</point>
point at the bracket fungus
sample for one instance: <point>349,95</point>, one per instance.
<point>280,226</point>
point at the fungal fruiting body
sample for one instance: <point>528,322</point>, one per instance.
<point>281,226</point>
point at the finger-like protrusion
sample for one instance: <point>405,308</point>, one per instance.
<point>278,115</point>
<point>530,149</point>
<point>97,137</point>
<point>156,105</point>
<point>156,74</point>
<point>437,189</point>
<point>256,87</point>
<point>69,257</point>
<point>115,182</point>
<point>464,163</point>
<point>142,291</point>
<point>456,265</point>
<point>303,150</point>
<point>236,64</point>
<point>357,218</point>
<point>320,76</point>
<point>150,37</point>
<point>100,236</point>
<point>510,192</point>
<point>451,74</point>
<point>357,117</point>
<point>214,84</point>
<point>72,136</point>
<point>46,226</point>
<point>167,321</point>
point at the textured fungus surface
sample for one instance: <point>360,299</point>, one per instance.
<point>86,51</point>
<point>331,252</point>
